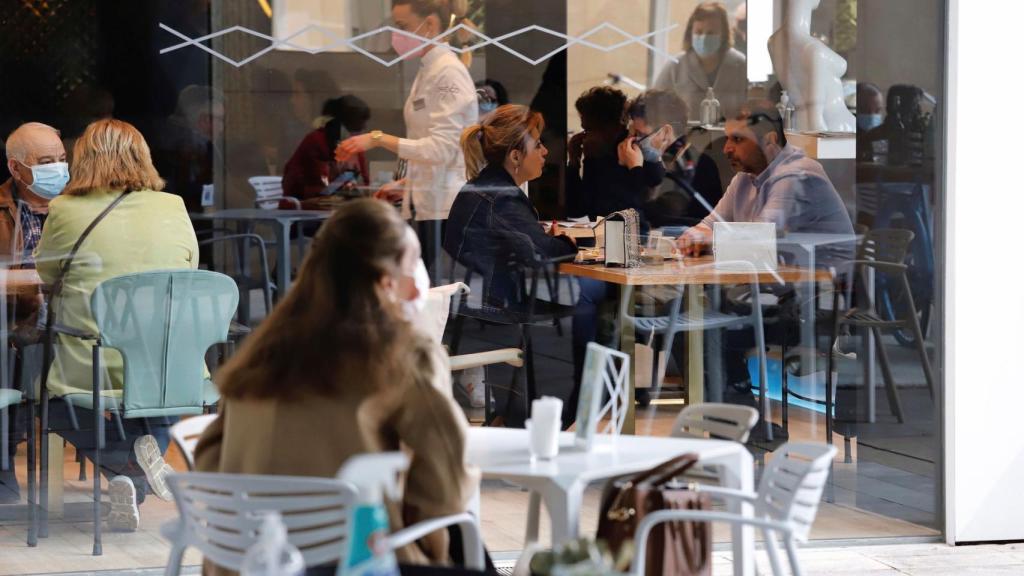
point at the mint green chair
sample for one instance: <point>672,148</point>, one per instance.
<point>162,323</point>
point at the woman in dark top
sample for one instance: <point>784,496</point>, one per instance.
<point>607,171</point>
<point>502,153</point>
<point>312,166</point>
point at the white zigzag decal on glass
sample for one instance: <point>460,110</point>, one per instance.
<point>485,40</point>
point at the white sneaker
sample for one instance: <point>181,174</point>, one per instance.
<point>147,452</point>
<point>124,511</point>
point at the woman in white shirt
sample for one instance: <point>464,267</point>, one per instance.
<point>709,60</point>
<point>441,104</point>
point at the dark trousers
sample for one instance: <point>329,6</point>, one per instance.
<point>17,427</point>
<point>117,458</point>
<point>431,235</point>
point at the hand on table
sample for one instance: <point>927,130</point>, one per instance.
<point>694,241</point>
<point>630,154</point>
<point>391,192</point>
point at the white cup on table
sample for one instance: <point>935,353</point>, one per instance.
<point>543,427</point>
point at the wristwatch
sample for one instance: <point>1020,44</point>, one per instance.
<point>376,135</point>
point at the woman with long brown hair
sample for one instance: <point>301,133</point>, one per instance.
<point>337,370</point>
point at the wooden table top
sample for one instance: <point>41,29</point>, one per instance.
<point>689,271</point>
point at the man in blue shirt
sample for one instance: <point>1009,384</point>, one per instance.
<point>775,182</point>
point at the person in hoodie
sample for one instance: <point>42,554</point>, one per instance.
<point>774,182</point>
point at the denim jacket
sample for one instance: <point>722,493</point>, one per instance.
<point>492,202</point>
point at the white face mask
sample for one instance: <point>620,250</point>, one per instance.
<point>413,308</point>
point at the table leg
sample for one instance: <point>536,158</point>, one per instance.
<point>563,505</point>
<point>695,345</point>
<point>245,227</point>
<point>627,344</point>
<point>738,473</point>
<point>533,519</point>
<point>284,257</point>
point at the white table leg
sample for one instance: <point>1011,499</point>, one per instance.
<point>533,519</point>
<point>738,473</point>
<point>563,504</point>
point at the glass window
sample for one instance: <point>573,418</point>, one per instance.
<point>799,140</point>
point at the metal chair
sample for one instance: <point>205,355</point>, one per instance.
<point>185,434</point>
<point>245,281</point>
<point>511,271</point>
<point>785,504</point>
<point>162,323</point>
<point>882,251</point>
<point>220,515</point>
<point>434,318</point>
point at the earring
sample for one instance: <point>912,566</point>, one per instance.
<point>517,169</point>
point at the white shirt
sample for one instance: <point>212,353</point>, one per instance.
<point>440,106</point>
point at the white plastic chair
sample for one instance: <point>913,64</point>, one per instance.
<point>713,420</point>
<point>785,504</point>
<point>220,515</point>
<point>270,192</point>
<point>613,380</point>
<point>185,435</point>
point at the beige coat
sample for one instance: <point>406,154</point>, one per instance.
<point>314,436</point>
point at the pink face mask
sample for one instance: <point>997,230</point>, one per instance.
<point>405,44</point>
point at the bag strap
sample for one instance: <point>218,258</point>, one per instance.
<point>58,287</point>
<point>65,264</point>
<point>666,470</point>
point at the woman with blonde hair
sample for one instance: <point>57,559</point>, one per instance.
<point>337,370</point>
<point>145,230</point>
<point>503,152</point>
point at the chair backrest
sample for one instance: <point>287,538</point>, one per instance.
<point>714,420</point>
<point>186,432</point>
<point>434,316</point>
<point>221,514</point>
<point>885,245</point>
<point>605,375</point>
<point>269,190</point>
<point>163,322</point>
<point>792,483</point>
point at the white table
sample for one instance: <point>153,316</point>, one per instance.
<point>501,453</point>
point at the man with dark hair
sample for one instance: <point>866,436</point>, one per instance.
<point>607,171</point>
<point>775,182</point>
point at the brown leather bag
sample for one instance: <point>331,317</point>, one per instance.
<point>676,548</point>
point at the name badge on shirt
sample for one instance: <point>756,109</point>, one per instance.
<point>419,104</point>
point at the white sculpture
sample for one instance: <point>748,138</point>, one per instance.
<point>810,71</point>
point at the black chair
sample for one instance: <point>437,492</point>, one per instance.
<point>883,251</point>
<point>245,279</point>
<point>511,271</point>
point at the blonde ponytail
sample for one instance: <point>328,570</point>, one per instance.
<point>473,150</point>
<point>499,133</point>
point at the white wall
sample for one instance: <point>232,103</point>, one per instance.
<point>984,334</point>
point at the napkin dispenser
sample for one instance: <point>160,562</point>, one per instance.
<point>622,239</point>
<point>745,246</point>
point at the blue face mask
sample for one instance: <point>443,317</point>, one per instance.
<point>706,44</point>
<point>867,122</point>
<point>488,107</point>
<point>48,180</point>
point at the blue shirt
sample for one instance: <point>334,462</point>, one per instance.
<point>793,192</point>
